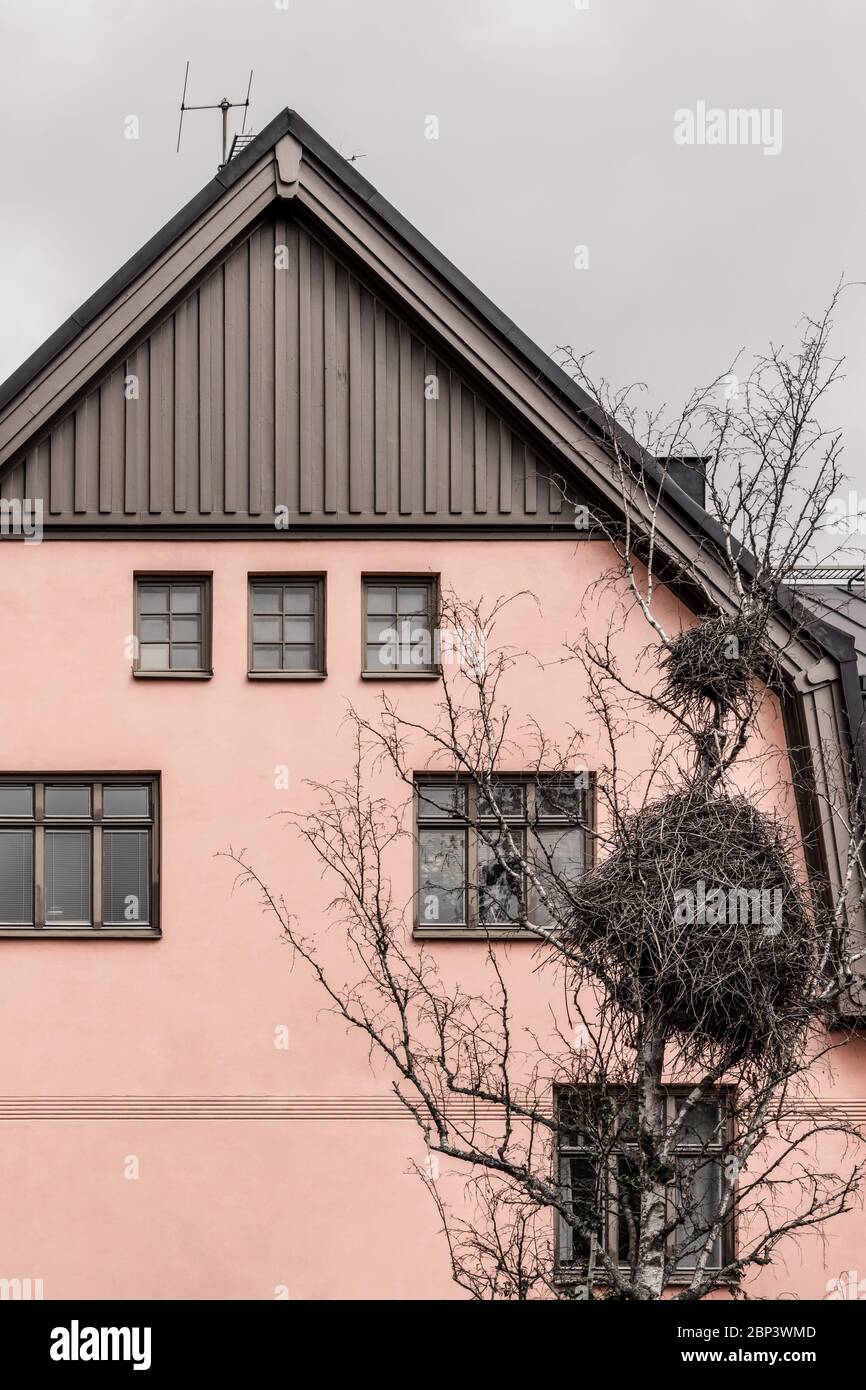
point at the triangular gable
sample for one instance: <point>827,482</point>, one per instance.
<point>289,170</point>
<point>217,378</point>
<point>283,381</point>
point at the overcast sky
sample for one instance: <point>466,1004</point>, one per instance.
<point>556,130</point>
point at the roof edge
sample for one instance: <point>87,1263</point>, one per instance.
<point>139,262</point>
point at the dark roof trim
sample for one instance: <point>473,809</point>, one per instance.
<point>289,122</point>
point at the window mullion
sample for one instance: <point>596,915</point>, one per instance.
<point>523,828</point>
<point>39,855</point>
<point>96,860</point>
<point>530,840</point>
<point>472,907</point>
<point>610,1192</point>
<point>566,1232</point>
<point>96,878</point>
<point>39,877</point>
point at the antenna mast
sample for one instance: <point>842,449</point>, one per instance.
<point>225,106</point>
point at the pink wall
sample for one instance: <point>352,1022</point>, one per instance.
<point>229,1207</point>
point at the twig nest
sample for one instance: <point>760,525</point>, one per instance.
<point>713,662</point>
<point>699,921</point>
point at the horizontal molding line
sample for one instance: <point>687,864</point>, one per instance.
<point>222,1108</point>
<point>318,1108</point>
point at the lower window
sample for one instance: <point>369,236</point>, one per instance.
<point>600,1176</point>
<point>78,855</point>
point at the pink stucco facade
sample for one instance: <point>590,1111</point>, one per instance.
<point>262,1171</point>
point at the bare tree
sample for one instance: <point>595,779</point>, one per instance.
<point>661,1125</point>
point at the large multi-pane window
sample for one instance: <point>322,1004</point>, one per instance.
<point>399,626</point>
<point>500,859</point>
<point>600,1176</point>
<point>78,855</point>
<point>173,621</point>
<point>287,625</point>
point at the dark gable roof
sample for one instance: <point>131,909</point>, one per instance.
<point>838,644</point>
<point>290,123</point>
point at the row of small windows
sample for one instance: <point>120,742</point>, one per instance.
<point>286,621</point>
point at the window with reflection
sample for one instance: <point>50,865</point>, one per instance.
<point>501,856</point>
<point>601,1174</point>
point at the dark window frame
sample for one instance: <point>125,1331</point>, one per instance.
<point>402,578</point>
<point>96,823</point>
<point>473,928</point>
<point>180,579</point>
<point>570,1270</point>
<point>286,579</point>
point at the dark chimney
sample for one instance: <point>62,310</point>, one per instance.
<point>688,471</point>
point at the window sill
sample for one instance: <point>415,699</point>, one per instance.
<point>80,933</point>
<point>401,675</point>
<point>477,934</point>
<point>567,1277</point>
<point>172,675</point>
<point>287,675</point>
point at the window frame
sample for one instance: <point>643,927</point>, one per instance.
<point>403,578</point>
<point>171,578</point>
<point>474,929</point>
<point>96,823</point>
<point>571,1271</point>
<point>301,578</point>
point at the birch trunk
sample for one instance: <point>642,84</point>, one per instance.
<point>650,1271</point>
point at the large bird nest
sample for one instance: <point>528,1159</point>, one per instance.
<point>713,663</point>
<point>674,917</point>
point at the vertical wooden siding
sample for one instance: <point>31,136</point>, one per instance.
<point>282,381</point>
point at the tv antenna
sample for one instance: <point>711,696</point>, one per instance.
<point>224,105</point>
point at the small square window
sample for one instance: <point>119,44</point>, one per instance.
<point>400,627</point>
<point>268,629</point>
<point>173,625</point>
<point>297,658</point>
<point>186,598</point>
<point>153,598</point>
<point>267,599</point>
<point>287,626</point>
<point>154,629</point>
